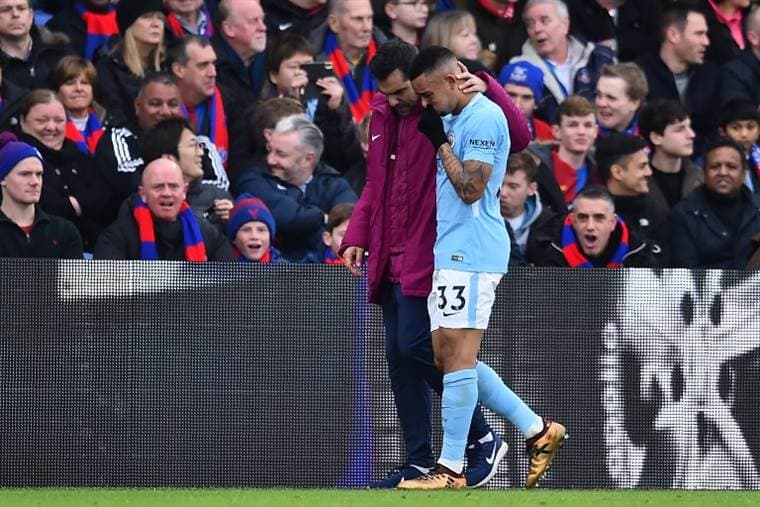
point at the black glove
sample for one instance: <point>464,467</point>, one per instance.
<point>432,126</point>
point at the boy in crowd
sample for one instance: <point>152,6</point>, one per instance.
<point>740,121</point>
<point>524,82</point>
<point>337,223</point>
<point>251,229</point>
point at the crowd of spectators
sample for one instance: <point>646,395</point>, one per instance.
<point>237,129</point>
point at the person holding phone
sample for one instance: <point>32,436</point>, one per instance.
<point>292,72</point>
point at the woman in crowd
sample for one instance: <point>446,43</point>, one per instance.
<point>71,188</point>
<point>455,30</point>
<point>74,78</point>
<point>140,50</point>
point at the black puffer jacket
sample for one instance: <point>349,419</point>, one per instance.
<point>69,173</point>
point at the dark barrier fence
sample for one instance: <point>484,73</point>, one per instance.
<point>169,374</point>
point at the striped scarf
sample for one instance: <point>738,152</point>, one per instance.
<point>331,258</point>
<point>195,249</point>
<point>217,131</point>
<point>175,25</point>
<point>574,256</point>
<point>99,27</point>
<point>359,100</point>
<point>86,141</point>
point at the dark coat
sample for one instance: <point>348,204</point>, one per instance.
<point>245,83</point>
<point>693,178</point>
<point>12,96</point>
<point>703,88</point>
<point>503,37</point>
<point>549,252</point>
<point>633,29</point>
<point>741,78</point>
<point>47,49</point>
<point>722,46</point>
<point>545,229</point>
<point>117,86</point>
<point>700,240</point>
<point>51,237</point>
<point>300,216</point>
<point>69,173</point>
<point>647,219</point>
<point>70,22</point>
<point>121,241</point>
<point>285,17</point>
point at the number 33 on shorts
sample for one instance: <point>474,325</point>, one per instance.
<point>461,299</point>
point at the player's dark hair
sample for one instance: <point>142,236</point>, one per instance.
<point>428,60</point>
<point>395,54</point>
<point>615,148</point>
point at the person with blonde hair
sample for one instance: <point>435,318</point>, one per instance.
<point>456,31</point>
<point>140,50</point>
<point>74,79</point>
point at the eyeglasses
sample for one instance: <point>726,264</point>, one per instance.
<point>417,4</point>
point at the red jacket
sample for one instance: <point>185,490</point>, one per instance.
<point>415,203</point>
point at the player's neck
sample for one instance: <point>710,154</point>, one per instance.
<point>462,102</point>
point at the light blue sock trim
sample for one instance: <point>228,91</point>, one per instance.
<point>460,395</point>
<point>494,394</point>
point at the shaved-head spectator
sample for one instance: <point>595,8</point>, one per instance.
<point>239,45</point>
<point>741,76</point>
<point>570,66</point>
<point>678,71</point>
<point>161,225</point>
<point>27,54</point>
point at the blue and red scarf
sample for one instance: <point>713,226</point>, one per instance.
<point>574,256</point>
<point>195,249</point>
<point>359,101</point>
<point>217,133</point>
<point>86,141</point>
<point>754,155</point>
<point>99,27</point>
<point>175,25</point>
<point>269,257</point>
<point>330,258</point>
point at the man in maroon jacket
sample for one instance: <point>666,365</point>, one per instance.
<point>394,222</point>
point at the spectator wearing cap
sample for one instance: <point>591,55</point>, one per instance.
<point>25,229</point>
<point>620,91</point>
<point>741,76</point>
<point>713,227</point>
<point>570,66</point>
<point>524,82</point>
<point>27,54</point>
<point>161,224</point>
<point>623,164</point>
<point>740,121</point>
<point>251,230</point>
<point>140,50</point>
<point>88,24</point>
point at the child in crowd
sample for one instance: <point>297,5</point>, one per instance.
<point>740,121</point>
<point>524,82</point>
<point>251,229</point>
<point>337,223</point>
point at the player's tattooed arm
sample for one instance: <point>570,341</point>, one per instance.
<point>469,178</point>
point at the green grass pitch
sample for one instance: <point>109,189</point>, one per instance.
<point>85,497</point>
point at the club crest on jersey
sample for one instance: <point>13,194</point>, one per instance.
<point>451,138</point>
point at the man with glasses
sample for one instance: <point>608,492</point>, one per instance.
<point>408,18</point>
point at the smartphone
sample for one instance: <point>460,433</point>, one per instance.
<point>318,70</point>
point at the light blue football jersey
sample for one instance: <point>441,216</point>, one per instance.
<point>472,237</point>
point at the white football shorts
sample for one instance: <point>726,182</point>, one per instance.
<point>462,299</point>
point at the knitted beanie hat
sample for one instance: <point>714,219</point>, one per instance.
<point>249,209</point>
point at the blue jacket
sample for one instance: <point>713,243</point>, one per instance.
<point>300,216</point>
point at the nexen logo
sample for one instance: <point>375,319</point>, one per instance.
<point>483,143</point>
